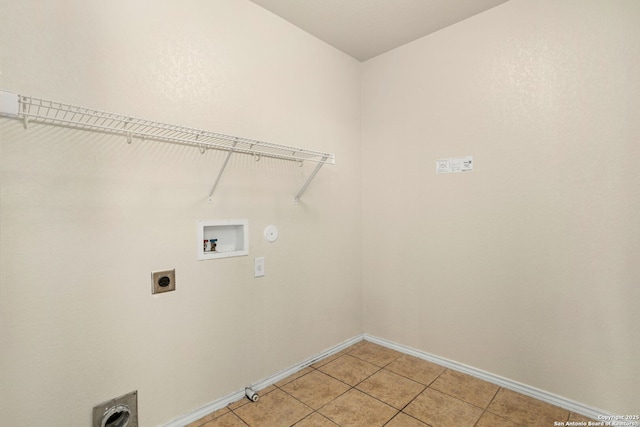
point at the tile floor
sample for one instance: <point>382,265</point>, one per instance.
<point>367,385</point>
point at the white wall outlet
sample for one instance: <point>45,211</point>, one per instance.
<point>258,267</point>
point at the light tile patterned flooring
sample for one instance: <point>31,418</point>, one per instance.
<point>367,385</point>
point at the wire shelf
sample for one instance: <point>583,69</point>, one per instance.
<point>38,110</point>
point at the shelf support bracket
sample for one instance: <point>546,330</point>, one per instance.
<point>224,165</point>
<point>296,199</point>
<point>36,110</point>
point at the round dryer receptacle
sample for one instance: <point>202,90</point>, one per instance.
<point>116,416</point>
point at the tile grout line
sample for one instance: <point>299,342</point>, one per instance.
<point>384,367</point>
<point>313,409</point>
<point>485,410</point>
<point>399,411</point>
<point>416,396</point>
<point>351,387</point>
<point>324,373</point>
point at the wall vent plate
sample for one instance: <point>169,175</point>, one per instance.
<point>163,281</point>
<point>119,412</point>
<point>271,233</point>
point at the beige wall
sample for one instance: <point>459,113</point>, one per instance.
<point>526,267</point>
<point>85,217</point>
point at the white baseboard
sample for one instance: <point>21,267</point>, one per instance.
<point>542,395</point>
<point>536,393</point>
<point>259,385</point>
<point>206,410</point>
<point>266,382</point>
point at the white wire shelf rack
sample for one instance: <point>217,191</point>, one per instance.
<point>38,110</point>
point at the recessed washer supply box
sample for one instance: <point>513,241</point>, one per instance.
<point>223,238</point>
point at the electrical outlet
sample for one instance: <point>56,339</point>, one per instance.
<point>163,281</point>
<point>258,267</point>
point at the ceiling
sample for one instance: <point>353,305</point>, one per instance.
<point>366,28</point>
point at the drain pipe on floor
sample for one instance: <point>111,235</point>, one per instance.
<point>251,395</point>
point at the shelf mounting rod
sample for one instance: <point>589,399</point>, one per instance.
<point>296,199</point>
<point>224,165</point>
